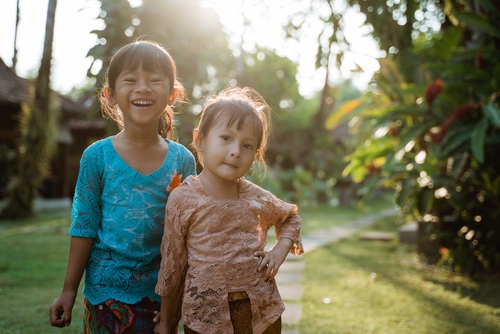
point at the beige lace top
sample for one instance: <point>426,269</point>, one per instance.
<point>208,244</point>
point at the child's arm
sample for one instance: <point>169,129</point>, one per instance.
<point>79,251</point>
<point>272,260</point>
<point>168,315</point>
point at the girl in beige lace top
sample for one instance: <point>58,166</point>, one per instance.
<point>216,227</point>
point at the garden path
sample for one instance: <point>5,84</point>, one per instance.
<point>290,276</point>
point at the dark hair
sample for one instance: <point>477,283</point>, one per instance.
<point>237,105</point>
<point>152,57</point>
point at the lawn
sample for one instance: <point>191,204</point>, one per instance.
<point>373,287</point>
<point>34,254</point>
<point>358,286</point>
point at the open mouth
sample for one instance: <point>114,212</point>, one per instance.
<point>142,103</point>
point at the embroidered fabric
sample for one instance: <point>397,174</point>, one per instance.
<point>209,244</point>
<point>124,211</point>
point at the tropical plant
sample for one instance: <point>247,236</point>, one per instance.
<point>436,139</point>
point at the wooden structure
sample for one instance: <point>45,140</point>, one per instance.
<point>14,91</point>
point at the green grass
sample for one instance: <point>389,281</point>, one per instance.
<point>34,255</point>
<point>373,287</point>
<point>322,217</point>
<point>359,286</point>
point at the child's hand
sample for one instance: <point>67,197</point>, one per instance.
<point>156,319</point>
<point>161,328</point>
<point>60,311</point>
<point>272,260</point>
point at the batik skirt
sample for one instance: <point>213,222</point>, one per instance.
<point>116,317</point>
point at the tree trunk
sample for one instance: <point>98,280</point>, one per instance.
<point>38,134</point>
<point>14,55</point>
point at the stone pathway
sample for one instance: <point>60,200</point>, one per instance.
<point>290,276</point>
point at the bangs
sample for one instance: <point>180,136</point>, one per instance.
<point>149,57</point>
<point>148,61</point>
<point>236,112</point>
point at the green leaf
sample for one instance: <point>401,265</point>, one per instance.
<point>454,139</point>
<point>442,46</point>
<point>477,139</point>
<point>458,165</point>
<point>424,200</point>
<point>389,74</point>
<point>335,117</point>
<point>411,133</point>
<point>493,113</point>
<point>405,190</point>
<point>479,22</point>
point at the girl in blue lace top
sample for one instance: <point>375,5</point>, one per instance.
<point>119,203</point>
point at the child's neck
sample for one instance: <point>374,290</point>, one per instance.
<point>139,137</point>
<point>144,154</point>
<point>218,189</point>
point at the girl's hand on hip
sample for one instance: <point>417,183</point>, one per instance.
<point>271,261</point>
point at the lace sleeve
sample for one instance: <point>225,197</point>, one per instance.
<point>287,223</point>
<point>86,208</point>
<point>173,247</point>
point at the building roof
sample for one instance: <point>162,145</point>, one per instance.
<point>14,89</point>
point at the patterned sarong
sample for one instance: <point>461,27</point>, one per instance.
<point>116,317</point>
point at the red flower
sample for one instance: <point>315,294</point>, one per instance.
<point>433,89</point>
<point>175,181</point>
<point>456,114</point>
<point>479,61</point>
<point>372,169</point>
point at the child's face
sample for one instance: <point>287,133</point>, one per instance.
<point>141,96</point>
<point>227,152</point>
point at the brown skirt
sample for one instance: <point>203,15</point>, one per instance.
<point>241,316</point>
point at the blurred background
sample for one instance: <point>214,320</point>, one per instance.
<point>369,97</point>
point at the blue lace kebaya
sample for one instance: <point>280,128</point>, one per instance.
<point>124,211</point>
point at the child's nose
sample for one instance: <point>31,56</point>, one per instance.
<point>236,151</point>
<point>143,87</point>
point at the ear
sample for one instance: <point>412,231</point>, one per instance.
<point>197,140</point>
<point>173,96</point>
<point>108,93</point>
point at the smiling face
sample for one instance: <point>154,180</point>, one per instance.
<point>228,151</point>
<point>141,95</point>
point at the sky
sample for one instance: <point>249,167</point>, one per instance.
<point>76,18</point>
<point>74,21</point>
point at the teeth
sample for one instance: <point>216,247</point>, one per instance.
<point>142,103</point>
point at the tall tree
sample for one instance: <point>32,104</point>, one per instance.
<point>38,133</point>
<point>14,55</point>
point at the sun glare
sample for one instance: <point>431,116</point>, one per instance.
<point>248,23</point>
<point>251,23</point>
